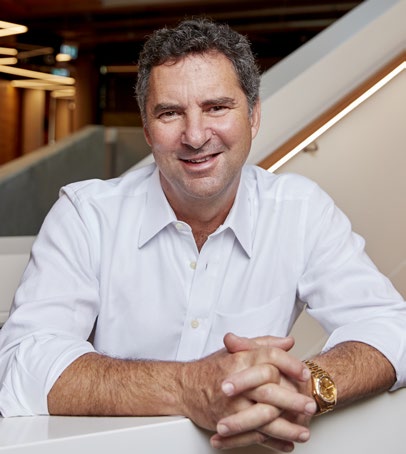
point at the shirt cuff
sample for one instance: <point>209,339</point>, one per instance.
<point>365,332</point>
<point>32,370</point>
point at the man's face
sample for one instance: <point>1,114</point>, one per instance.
<point>199,127</point>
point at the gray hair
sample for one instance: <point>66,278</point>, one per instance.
<point>198,36</point>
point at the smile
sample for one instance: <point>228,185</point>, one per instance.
<point>201,160</point>
<point>198,161</point>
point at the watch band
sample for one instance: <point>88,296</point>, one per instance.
<point>324,389</point>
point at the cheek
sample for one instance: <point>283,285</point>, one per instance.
<point>235,132</point>
<point>238,124</point>
<point>163,138</point>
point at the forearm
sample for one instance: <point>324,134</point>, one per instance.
<point>98,385</point>
<point>358,370</point>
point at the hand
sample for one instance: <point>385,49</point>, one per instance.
<point>203,398</point>
<point>280,413</point>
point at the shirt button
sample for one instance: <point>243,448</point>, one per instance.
<point>179,226</point>
<point>193,265</point>
<point>194,324</point>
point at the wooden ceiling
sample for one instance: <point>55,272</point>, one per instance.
<point>113,34</point>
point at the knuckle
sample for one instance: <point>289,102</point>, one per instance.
<point>267,373</point>
<point>266,393</point>
<point>260,437</point>
<point>267,413</point>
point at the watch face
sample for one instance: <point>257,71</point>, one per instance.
<point>327,389</point>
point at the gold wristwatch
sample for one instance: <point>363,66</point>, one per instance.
<point>324,389</point>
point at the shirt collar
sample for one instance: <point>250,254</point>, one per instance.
<point>158,214</point>
<point>240,219</point>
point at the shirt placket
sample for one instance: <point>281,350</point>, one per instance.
<point>197,323</point>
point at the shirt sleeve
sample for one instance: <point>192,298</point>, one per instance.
<point>345,291</point>
<point>53,312</point>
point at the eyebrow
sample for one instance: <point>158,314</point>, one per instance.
<point>222,101</point>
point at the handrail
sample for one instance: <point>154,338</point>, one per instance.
<point>299,137</point>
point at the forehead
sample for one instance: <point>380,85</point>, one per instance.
<point>208,71</point>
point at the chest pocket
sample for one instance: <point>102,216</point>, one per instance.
<point>268,319</point>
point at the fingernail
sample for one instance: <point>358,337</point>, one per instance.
<point>304,436</point>
<point>216,443</point>
<point>310,408</point>
<point>228,388</point>
<point>222,429</point>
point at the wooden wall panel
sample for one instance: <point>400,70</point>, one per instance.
<point>9,122</point>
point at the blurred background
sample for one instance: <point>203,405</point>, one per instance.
<point>91,48</point>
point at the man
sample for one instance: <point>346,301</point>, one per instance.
<point>162,263</point>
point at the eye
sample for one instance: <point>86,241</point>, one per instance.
<point>168,115</point>
<point>217,109</point>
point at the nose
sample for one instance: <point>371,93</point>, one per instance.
<point>196,131</point>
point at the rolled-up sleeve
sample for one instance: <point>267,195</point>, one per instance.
<point>345,291</point>
<point>31,368</point>
<point>53,312</point>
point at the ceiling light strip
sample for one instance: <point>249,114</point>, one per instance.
<point>8,61</point>
<point>7,28</point>
<point>38,85</point>
<point>67,93</point>
<point>8,51</point>
<point>37,75</point>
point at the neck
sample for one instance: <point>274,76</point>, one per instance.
<point>203,215</point>
<point>204,219</point>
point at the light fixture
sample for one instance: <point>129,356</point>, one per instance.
<point>7,28</point>
<point>8,61</point>
<point>63,57</point>
<point>337,117</point>
<point>36,84</point>
<point>69,49</point>
<point>35,52</point>
<point>64,93</point>
<point>37,75</point>
<point>8,51</point>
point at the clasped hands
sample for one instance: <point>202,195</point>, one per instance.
<point>252,392</point>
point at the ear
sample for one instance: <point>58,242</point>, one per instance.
<point>255,118</point>
<point>146,135</point>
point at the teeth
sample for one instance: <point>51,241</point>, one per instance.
<point>197,161</point>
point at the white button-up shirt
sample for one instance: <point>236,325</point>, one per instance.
<point>111,256</point>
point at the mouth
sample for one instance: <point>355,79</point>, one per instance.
<point>200,160</point>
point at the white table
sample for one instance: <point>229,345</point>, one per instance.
<point>375,426</point>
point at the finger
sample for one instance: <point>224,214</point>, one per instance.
<point>238,441</point>
<point>251,378</point>
<point>280,434</point>
<point>251,418</point>
<point>263,415</point>
<point>283,398</point>
<point>283,429</point>
<point>270,364</point>
<point>236,343</point>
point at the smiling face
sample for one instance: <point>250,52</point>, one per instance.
<point>199,128</point>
